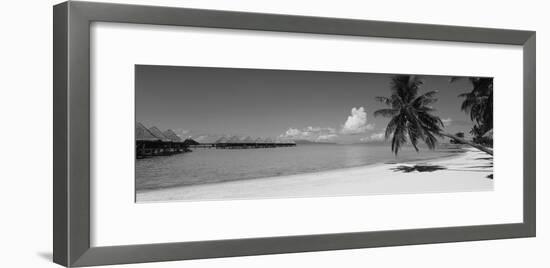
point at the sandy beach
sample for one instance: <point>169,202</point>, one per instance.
<point>466,171</point>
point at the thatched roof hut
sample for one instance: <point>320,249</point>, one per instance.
<point>170,134</point>
<point>158,134</point>
<point>223,139</point>
<point>234,139</point>
<point>191,142</point>
<point>287,141</point>
<point>247,140</point>
<point>143,134</point>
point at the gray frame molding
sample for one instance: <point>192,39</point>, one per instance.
<point>71,172</point>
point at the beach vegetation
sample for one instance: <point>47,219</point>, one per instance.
<point>478,103</point>
<point>412,117</point>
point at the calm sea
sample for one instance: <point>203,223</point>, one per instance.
<point>217,165</point>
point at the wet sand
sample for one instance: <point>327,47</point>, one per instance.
<point>467,171</point>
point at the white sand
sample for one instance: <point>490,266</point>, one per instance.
<point>466,172</point>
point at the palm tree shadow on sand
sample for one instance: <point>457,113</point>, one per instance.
<point>412,119</point>
<point>419,168</point>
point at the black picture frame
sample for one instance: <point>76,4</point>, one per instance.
<point>71,172</point>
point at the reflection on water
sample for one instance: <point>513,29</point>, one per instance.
<point>215,165</point>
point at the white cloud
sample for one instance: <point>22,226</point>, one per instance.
<point>356,122</point>
<point>200,138</point>
<point>310,133</point>
<point>320,129</point>
<point>292,132</point>
<point>447,121</point>
<point>327,137</point>
<point>182,133</point>
<point>374,137</point>
<point>310,128</point>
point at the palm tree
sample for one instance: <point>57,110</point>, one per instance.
<point>479,104</point>
<point>411,116</point>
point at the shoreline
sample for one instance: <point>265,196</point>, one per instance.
<point>462,171</point>
<point>395,161</point>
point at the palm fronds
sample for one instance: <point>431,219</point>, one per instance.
<point>410,114</point>
<point>478,103</point>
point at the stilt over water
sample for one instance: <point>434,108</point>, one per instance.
<point>153,142</point>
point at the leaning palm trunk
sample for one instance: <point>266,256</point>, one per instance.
<point>463,141</point>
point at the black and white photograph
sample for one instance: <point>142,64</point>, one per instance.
<point>207,133</point>
<point>272,134</point>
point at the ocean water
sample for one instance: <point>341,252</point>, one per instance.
<point>219,165</point>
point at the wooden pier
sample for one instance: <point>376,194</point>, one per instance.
<point>156,148</point>
<point>240,145</point>
<point>153,142</point>
<point>251,145</point>
<point>203,146</point>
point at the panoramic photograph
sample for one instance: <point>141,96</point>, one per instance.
<point>205,133</point>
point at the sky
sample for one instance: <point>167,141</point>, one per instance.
<point>202,102</point>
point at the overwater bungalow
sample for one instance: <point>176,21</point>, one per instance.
<point>280,142</point>
<point>171,135</point>
<point>158,134</point>
<point>206,143</point>
<point>153,142</point>
<point>234,139</point>
<point>248,142</point>
<point>221,142</point>
<point>222,139</point>
<point>236,142</point>
<point>190,141</point>
<point>143,134</point>
<point>231,143</point>
<point>177,145</point>
<point>166,146</point>
<point>269,143</point>
<point>224,142</point>
<point>202,141</point>
<point>146,142</point>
